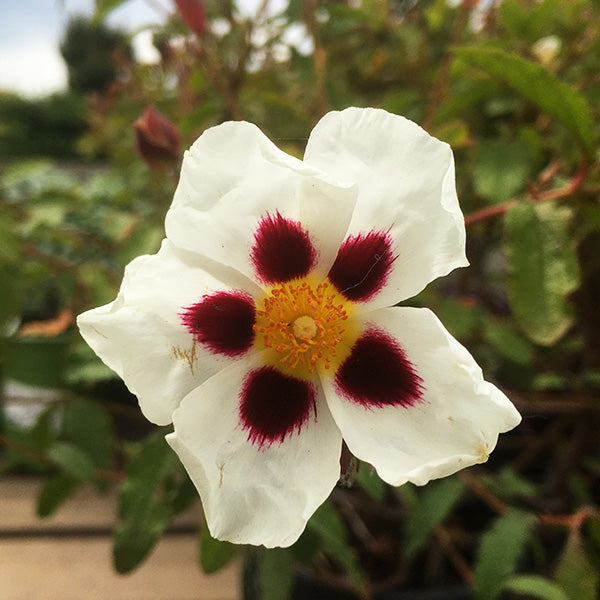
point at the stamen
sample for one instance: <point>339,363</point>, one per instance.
<point>306,324</point>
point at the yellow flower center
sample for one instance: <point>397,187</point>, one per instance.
<point>306,325</point>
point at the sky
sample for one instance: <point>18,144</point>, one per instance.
<point>31,30</point>
<point>30,34</point>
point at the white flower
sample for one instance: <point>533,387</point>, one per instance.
<point>546,49</point>
<point>262,327</point>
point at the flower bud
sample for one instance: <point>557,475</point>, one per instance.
<point>546,49</point>
<point>158,140</point>
<point>193,14</point>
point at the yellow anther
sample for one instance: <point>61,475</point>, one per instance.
<point>305,323</point>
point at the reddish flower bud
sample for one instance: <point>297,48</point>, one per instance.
<point>158,140</point>
<point>193,14</point>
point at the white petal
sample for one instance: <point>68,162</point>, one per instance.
<point>232,176</point>
<point>406,184</point>
<point>140,334</point>
<point>455,426</point>
<point>253,495</point>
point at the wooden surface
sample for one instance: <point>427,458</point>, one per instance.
<point>68,556</point>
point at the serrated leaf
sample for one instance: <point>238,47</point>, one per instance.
<point>72,460</point>
<point>543,269</point>
<point>436,502</point>
<point>575,574</point>
<point>534,82</point>
<point>214,554</point>
<point>536,587</point>
<point>276,574</point>
<point>54,492</point>
<point>499,552</point>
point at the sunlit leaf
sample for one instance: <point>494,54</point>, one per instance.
<point>560,100</point>
<point>500,168</point>
<point>543,269</point>
<point>104,7</point>
<point>534,586</point>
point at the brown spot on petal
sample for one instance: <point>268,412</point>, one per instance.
<point>186,356</point>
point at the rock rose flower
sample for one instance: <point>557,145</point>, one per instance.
<point>265,329</point>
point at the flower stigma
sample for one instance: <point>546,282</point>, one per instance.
<point>307,325</point>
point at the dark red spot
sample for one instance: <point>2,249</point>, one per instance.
<point>377,373</point>
<point>222,321</point>
<point>362,265</point>
<point>274,405</point>
<point>282,250</point>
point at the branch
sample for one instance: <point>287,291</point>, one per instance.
<point>563,192</point>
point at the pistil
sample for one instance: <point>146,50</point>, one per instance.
<point>308,325</point>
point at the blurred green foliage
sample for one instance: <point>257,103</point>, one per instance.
<point>513,86</point>
<point>41,127</point>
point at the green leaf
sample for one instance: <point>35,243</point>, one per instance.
<point>144,513</point>
<point>9,243</point>
<point>368,479</point>
<point>575,573</point>
<point>500,169</point>
<point>460,317</point>
<point>534,82</point>
<point>592,535</point>
<point>499,334</point>
<point>84,366</point>
<point>97,281</point>
<point>508,484</point>
<point>455,133</point>
<point>436,502</point>
<point>543,269</point>
<point>214,554</point>
<point>330,528</point>
<point>536,586</point>
<point>73,460</point>
<point>137,534</point>
<point>145,472</point>
<point>44,432</point>
<point>104,7</point>
<point>87,425</point>
<point>276,574</point>
<point>55,491</point>
<point>498,555</point>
